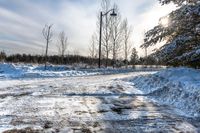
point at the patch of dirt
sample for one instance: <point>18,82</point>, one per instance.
<point>119,110</point>
<point>96,124</point>
<point>26,130</point>
<point>82,130</point>
<point>119,87</point>
<point>48,124</point>
<point>2,96</point>
<point>81,112</point>
<point>102,111</point>
<point>86,130</point>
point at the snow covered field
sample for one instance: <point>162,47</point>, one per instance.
<point>98,100</point>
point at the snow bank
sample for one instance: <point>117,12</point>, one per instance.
<point>38,71</point>
<point>9,70</point>
<point>179,87</point>
<point>52,68</point>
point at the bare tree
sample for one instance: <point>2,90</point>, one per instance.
<point>48,34</point>
<point>63,44</point>
<point>92,47</point>
<point>111,32</point>
<point>106,6</point>
<point>116,36</point>
<point>126,30</point>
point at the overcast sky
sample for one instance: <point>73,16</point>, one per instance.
<point>21,22</point>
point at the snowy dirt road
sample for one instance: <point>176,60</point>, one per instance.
<point>102,103</point>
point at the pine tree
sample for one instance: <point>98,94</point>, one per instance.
<point>2,56</point>
<point>134,57</point>
<point>181,33</point>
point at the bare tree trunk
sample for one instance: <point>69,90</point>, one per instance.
<point>46,55</point>
<point>93,49</point>
<point>48,34</point>
<point>126,29</point>
<point>126,55</point>
<point>114,55</point>
<point>107,38</point>
<point>62,46</point>
<point>107,57</point>
<point>116,36</point>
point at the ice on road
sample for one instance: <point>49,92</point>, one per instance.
<point>102,103</point>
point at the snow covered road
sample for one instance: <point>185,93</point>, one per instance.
<point>103,103</point>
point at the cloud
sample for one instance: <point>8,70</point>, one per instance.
<point>22,22</point>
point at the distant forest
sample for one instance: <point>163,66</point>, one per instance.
<point>72,59</point>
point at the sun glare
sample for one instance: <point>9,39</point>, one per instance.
<point>164,21</point>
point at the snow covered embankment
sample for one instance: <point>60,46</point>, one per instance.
<point>55,71</point>
<point>37,71</point>
<point>179,87</point>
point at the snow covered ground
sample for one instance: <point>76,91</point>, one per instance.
<point>179,87</point>
<point>113,101</point>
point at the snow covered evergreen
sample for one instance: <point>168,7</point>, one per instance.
<point>182,34</point>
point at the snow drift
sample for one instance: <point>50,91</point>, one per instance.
<point>179,87</point>
<point>9,70</point>
<point>38,71</point>
<point>53,71</point>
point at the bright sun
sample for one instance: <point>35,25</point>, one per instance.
<point>164,21</point>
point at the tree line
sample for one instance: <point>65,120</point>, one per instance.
<point>72,59</point>
<point>41,59</point>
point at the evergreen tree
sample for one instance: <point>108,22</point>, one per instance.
<point>2,56</point>
<point>181,31</point>
<point>134,57</point>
